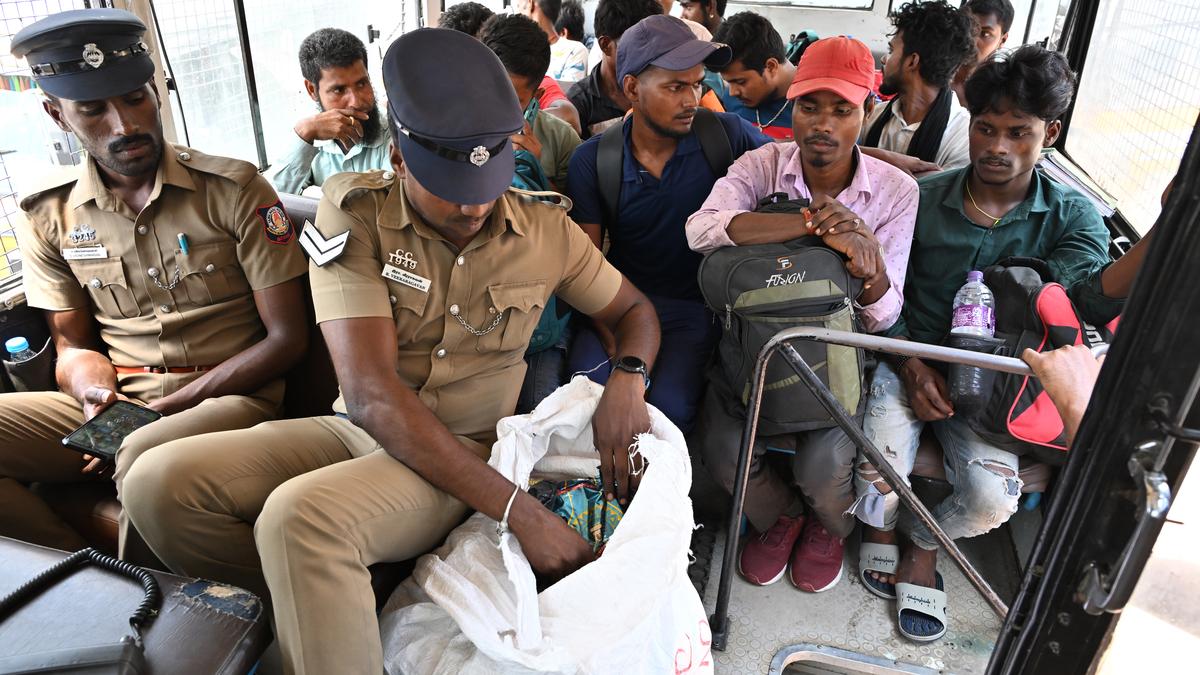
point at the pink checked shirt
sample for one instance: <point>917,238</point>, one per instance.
<point>883,196</point>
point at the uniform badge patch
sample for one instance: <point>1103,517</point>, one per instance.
<point>276,223</point>
<point>82,233</point>
<point>92,55</point>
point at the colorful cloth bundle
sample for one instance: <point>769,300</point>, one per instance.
<point>580,502</point>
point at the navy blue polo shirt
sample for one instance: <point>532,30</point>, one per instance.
<point>648,242</point>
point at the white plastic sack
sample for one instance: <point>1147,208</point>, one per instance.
<point>472,606</point>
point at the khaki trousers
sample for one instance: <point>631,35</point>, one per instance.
<point>33,424</point>
<point>317,500</point>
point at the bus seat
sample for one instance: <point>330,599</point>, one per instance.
<point>91,509</point>
<point>299,209</point>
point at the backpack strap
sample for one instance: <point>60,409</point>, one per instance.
<point>714,141</point>
<point>609,155</point>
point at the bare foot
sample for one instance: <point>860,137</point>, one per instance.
<point>874,536</point>
<point>917,566</point>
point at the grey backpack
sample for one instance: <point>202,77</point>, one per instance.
<point>757,291</point>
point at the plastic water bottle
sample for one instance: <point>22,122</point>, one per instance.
<point>972,325</point>
<point>974,308</point>
<point>18,350</point>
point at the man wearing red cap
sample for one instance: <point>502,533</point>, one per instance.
<point>862,207</point>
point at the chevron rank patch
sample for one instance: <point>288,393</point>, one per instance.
<point>319,249</point>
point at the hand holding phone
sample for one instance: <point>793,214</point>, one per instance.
<point>103,434</point>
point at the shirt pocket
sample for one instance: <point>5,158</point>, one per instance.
<point>211,273</point>
<point>408,311</point>
<point>107,285</point>
<point>523,301</point>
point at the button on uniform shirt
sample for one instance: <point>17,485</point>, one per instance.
<point>1054,223</point>
<point>307,165</point>
<point>955,149</point>
<point>648,243</point>
<point>83,248</point>
<point>396,266</point>
<point>884,197</point>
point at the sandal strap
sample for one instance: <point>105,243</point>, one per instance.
<point>921,599</point>
<point>882,558</point>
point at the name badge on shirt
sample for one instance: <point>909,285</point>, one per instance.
<point>85,253</point>
<point>407,278</point>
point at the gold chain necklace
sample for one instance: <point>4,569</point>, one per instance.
<point>758,119</point>
<point>995,220</point>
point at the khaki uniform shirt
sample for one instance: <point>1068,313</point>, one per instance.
<point>396,266</point>
<point>82,247</point>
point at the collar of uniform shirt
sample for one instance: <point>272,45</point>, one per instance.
<point>397,213</point>
<point>90,186</point>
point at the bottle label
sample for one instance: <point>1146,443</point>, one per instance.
<point>973,316</point>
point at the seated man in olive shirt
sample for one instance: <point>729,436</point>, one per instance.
<point>997,207</point>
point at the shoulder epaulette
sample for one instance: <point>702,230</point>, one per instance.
<point>547,198</point>
<point>343,186</point>
<point>236,170</point>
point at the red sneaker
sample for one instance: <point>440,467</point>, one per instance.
<point>817,560</point>
<point>764,559</point>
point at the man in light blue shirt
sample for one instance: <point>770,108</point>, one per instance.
<point>348,134</point>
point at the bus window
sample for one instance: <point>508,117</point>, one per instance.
<point>1137,102</point>
<point>30,144</point>
<point>201,42</point>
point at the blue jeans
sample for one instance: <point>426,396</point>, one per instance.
<point>544,373</point>
<point>678,378</point>
<point>986,485</point>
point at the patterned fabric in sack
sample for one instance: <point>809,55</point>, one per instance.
<point>472,606</point>
<point>1036,314</point>
<point>581,503</point>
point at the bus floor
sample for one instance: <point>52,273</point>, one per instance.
<point>778,629</point>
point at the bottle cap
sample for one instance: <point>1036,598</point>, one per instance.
<point>974,275</point>
<point>16,345</point>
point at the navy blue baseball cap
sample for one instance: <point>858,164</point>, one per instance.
<point>668,43</point>
<point>455,108</point>
<point>86,54</point>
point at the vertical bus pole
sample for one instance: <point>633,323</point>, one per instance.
<point>260,143</point>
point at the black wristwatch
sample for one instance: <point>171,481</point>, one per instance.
<point>632,364</point>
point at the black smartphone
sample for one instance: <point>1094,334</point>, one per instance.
<point>104,433</point>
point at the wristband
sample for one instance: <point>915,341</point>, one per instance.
<point>898,361</point>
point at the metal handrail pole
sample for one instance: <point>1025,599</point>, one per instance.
<point>890,475</point>
<point>718,622</point>
<point>875,343</point>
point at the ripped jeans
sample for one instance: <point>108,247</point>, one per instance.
<point>986,485</point>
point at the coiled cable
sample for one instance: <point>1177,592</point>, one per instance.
<point>141,617</point>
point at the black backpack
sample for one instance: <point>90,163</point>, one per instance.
<point>757,291</point>
<point>1035,312</point>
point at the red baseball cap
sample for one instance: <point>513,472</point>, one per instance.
<point>840,64</point>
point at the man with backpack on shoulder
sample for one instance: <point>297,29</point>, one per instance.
<point>864,209</point>
<point>639,181</point>
<point>997,207</point>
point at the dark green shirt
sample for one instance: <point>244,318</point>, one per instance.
<point>1054,223</point>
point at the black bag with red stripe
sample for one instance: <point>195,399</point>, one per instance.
<point>1032,311</point>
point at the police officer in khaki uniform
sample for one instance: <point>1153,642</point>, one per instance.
<point>169,277</point>
<point>428,282</point>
